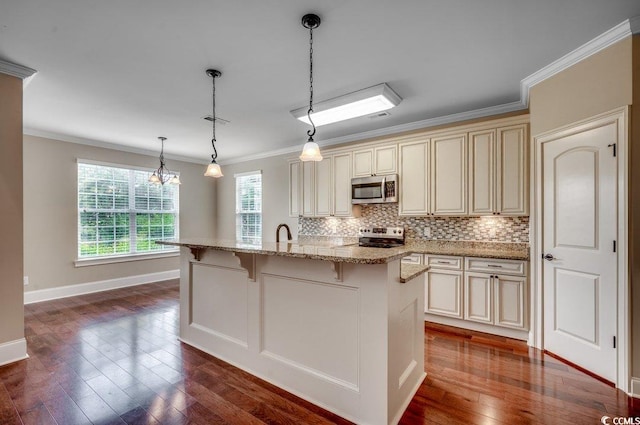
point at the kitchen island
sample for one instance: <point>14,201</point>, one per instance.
<point>340,326</point>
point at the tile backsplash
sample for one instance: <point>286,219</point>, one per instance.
<point>489,228</point>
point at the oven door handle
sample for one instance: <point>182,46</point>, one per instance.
<point>384,194</point>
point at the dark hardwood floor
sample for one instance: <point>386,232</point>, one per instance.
<point>114,358</point>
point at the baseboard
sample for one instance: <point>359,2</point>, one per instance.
<point>99,286</point>
<point>13,351</point>
<point>635,387</point>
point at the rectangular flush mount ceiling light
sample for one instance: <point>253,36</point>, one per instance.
<point>356,104</point>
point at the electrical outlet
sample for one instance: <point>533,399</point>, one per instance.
<point>25,280</point>
<point>427,232</point>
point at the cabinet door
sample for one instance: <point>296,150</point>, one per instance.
<point>414,178</point>
<point>363,163</point>
<point>295,186</point>
<point>323,185</point>
<point>443,293</point>
<point>385,160</point>
<point>482,176</point>
<point>342,185</point>
<point>449,175</point>
<point>308,189</point>
<point>512,171</point>
<point>478,298</point>
<point>510,301</point>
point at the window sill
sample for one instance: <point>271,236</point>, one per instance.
<point>83,262</point>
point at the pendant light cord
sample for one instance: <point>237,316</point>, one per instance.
<point>213,120</point>
<point>311,133</point>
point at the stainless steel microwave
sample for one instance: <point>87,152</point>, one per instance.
<point>374,189</point>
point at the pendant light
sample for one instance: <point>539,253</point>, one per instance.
<point>311,150</point>
<point>162,175</point>
<point>213,170</point>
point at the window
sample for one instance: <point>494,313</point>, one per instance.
<point>121,213</point>
<point>249,206</point>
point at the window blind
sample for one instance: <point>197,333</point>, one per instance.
<point>120,212</point>
<point>249,206</point>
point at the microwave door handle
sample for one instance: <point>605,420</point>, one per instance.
<point>384,194</point>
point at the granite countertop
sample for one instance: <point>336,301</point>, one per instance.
<point>314,250</point>
<point>498,250</point>
<point>346,250</point>
<point>410,271</point>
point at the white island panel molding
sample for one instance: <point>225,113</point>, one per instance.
<point>353,345</point>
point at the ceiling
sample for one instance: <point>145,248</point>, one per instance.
<point>124,72</point>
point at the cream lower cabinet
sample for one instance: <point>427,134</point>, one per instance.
<point>478,300</point>
<point>443,286</point>
<point>510,299</point>
<point>489,292</point>
<point>495,292</point>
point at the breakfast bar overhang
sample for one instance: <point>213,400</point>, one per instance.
<point>341,327</point>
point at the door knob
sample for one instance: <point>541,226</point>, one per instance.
<point>548,257</point>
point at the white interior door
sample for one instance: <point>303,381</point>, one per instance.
<point>579,227</point>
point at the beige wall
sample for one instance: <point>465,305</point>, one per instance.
<point>595,85</point>
<point>11,297</point>
<point>50,216</point>
<point>275,197</point>
<point>599,84</point>
<point>634,211</point>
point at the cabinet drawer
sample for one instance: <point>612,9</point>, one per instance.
<point>489,265</point>
<point>413,259</point>
<point>443,262</point>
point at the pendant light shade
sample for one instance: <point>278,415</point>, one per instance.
<point>311,150</point>
<point>162,175</point>
<point>213,169</point>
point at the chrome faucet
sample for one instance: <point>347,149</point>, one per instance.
<point>278,232</point>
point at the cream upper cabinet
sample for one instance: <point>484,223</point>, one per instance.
<point>295,188</point>
<point>449,175</point>
<point>342,206</point>
<point>498,179</point>
<point>363,163</point>
<point>323,187</point>
<point>326,186</point>
<point>512,188</point>
<point>414,178</point>
<point>482,172</point>
<point>379,160</point>
<point>385,160</point>
<point>308,189</point>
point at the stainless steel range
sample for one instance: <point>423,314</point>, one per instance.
<point>381,237</point>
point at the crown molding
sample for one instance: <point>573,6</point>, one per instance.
<point>601,42</point>
<point>16,70</point>
<point>386,131</point>
<point>107,145</point>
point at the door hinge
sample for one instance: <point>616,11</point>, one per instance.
<point>614,246</point>
<point>614,342</point>
<point>614,148</point>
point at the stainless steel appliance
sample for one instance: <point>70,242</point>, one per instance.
<point>381,237</point>
<point>374,189</point>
